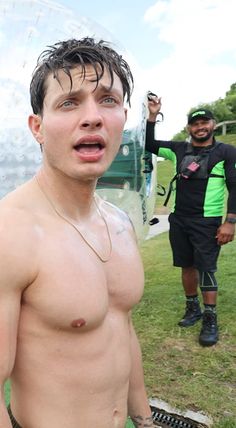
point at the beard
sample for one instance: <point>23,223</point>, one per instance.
<point>202,139</point>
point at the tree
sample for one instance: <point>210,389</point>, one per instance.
<point>223,109</point>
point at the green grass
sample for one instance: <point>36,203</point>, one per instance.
<point>129,424</point>
<point>7,392</point>
<point>177,369</point>
<point>229,138</point>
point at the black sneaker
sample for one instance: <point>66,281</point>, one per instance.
<point>209,332</point>
<point>192,314</point>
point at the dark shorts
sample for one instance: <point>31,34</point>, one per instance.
<point>193,242</point>
<point>13,421</point>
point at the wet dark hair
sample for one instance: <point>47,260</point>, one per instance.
<point>68,54</point>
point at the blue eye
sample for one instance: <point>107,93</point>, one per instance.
<point>67,103</point>
<point>109,100</point>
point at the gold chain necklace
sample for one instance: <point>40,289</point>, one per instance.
<point>103,260</point>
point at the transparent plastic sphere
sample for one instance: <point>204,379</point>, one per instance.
<point>26,28</point>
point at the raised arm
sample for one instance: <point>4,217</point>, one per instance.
<point>154,107</point>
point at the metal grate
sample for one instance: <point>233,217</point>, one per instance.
<point>165,419</point>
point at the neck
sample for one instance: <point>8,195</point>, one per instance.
<point>73,197</point>
<point>208,142</point>
<point>82,227</point>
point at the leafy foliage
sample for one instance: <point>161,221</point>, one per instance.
<point>224,109</point>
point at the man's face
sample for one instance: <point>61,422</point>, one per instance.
<point>201,130</point>
<point>80,129</point>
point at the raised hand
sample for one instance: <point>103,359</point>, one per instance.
<point>154,106</point>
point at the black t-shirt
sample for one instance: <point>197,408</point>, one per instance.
<point>194,196</point>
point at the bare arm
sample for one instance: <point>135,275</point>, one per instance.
<point>14,277</point>
<point>9,316</point>
<point>138,406</point>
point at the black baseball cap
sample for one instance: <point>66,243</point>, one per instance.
<point>200,113</point>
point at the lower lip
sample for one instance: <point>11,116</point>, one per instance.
<point>90,156</point>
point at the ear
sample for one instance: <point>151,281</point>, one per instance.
<point>214,124</point>
<point>187,128</point>
<point>35,125</point>
<point>126,114</point>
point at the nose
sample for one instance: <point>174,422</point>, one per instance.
<point>91,115</point>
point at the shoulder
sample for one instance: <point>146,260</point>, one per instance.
<point>14,220</point>
<point>112,210</point>
<point>116,216</point>
<point>17,227</point>
<point>15,212</point>
<point>227,150</point>
<point>18,239</point>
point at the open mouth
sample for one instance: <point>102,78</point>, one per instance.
<point>91,151</point>
<point>202,131</point>
<point>88,148</point>
<point>201,134</point>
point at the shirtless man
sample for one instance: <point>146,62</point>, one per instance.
<point>70,270</point>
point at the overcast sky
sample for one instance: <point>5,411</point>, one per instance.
<point>184,50</point>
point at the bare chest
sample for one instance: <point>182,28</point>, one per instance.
<point>74,288</point>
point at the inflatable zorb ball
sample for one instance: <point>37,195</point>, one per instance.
<point>26,28</point>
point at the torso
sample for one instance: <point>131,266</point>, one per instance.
<point>202,197</point>
<point>73,358</point>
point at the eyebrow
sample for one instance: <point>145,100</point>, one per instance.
<point>101,87</point>
<point>112,89</point>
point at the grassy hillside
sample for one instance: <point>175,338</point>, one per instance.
<point>229,139</point>
<point>177,369</point>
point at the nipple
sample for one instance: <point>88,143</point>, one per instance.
<point>78,323</point>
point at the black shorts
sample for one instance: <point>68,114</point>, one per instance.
<point>13,421</point>
<point>193,241</point>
